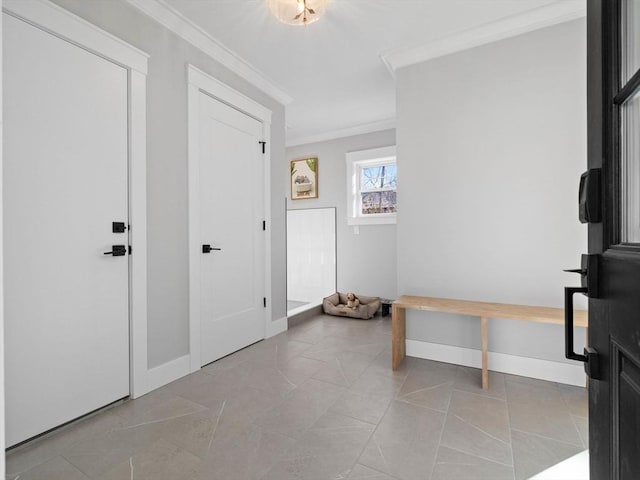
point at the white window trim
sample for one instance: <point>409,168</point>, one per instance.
<point>371,157</point>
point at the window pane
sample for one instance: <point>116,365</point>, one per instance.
<point>630,171</point>
<point>630,38</point>
<point>379,202</point>
<point>378,177</point>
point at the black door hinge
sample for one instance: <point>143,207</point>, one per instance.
<point>264,301</point>
<point>264,225</point>
<point>264,146</point>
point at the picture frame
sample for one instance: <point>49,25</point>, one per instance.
<point>304,178</point>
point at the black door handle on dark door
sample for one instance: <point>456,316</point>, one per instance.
<point>590,357</point>
<point>568,323</point>
<point>208,248</point>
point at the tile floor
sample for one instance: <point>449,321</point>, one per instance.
<point>321,402</point>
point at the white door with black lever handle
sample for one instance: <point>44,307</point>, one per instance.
<point>231,166</point>
<point>65,186</point>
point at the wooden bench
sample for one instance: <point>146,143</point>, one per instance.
<point>483,310</point>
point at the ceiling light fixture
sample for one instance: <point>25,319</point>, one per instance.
<point>297,12</point>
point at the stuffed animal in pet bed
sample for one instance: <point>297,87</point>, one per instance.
<point>352,301</point>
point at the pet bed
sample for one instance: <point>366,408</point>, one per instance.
<point>336,304</point>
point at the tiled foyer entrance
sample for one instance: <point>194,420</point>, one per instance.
<point>320,402</point>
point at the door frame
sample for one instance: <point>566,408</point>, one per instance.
<point>69,27</point>
<point>200,82</point>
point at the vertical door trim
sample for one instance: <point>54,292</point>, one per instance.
<point>198,81</point>
<point>2,408</point>
<point>63,24</point>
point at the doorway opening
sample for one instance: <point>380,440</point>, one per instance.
<point>311,258</point>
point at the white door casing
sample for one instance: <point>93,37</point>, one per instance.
<point>256,119</point>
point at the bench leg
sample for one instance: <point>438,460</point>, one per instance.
<point>398,336</point>
<point>485,371</point>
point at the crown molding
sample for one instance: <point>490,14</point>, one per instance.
<point>378,126</point>
<point>555,13</point>
<point>174,21</point>
<point>77,30</point>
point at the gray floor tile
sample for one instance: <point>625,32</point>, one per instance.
<point>286,349</point>
<point>202,389</point>
<point>360,472</point>
<point>344,368</point>
<point>300,368</point>
<point>195,433</point>
<point>582,424</point>
<point>142,413</point>
<point>533,391</point>
<point>466,437</point>
<point>405,442</point>
<point>270,379</point>
<point>333,467</point>
<point>470,380</point>
<point>429,384</point>
<point>247,455</point>
<point>28,456</point>
<point>487,414</point>
<point>333,434</point>
<point>56,468</point>
<point>365,408</point>
<point>381,365</point>
<point>327,349</point>
<point>455,465</point>
<point>374,384</point>
<point>312,332</point>
<point>577,400</point>
<point>160,461</point>
<point>101,453</point>
<point>532,454</point>
<point>538,407</point>
<point>301,409</point>
<point>547,420</point>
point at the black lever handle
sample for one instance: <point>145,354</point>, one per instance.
<point>568,323</point>
<point>117,251</point>
<point>208,248</point>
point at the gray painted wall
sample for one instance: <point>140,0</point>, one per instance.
<point>491,144</point>
<point>366,261</point>
<point>168,328</point>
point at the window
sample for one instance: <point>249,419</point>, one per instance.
<point>372,180</point>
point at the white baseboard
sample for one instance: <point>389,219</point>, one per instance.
<point>276,327</point>
<point>163,374</point>
<point>500,362</point>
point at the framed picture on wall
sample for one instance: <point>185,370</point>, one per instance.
<point>304,178</point>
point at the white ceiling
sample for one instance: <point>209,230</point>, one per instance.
<point>333,69</point>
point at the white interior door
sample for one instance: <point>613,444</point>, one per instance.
<point>65,182</point>
<point>231,208</point>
